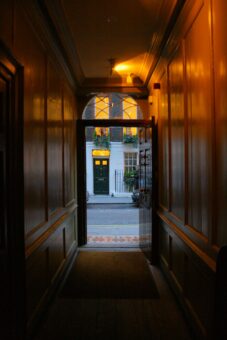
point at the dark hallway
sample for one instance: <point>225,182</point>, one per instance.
<point>156,70</point>
<point>106,297</point>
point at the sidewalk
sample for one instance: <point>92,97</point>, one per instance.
<point>108,227</point>
<point>108,199</point>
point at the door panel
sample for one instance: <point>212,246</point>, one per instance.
<point>145,173</point>
<point>101,176</point>
<point>147,187</point>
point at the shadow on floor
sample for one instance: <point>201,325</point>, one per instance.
<point>128,313</point>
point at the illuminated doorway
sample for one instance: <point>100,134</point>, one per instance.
<point>131,131</point>
<point>111,168</point>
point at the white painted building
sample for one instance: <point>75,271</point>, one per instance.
<point>117,158</point>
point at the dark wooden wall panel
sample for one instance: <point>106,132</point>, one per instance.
<point>176,81</point>
<point>46,263</point>
<point>190,277</point>
<point>6,22</point>
<point>198,72</point>
<point>164,245</point>
<point>192,161</point>
<point>220,67</point>
<point>177,262</point>
<point>56,253</point>
<point>69,146</point>
<point>37,278</point>
<point>163,143</point>
<point>50,112</point>
<point>202,299</point>
<point>70,234</point>
<point>54,139</point>
<point>32,57</point>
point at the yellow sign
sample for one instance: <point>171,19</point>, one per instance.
<point>100,153</point>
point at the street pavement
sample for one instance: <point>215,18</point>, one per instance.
<point>107,215</point>
<point>113,222</point>
<point>107,199</point>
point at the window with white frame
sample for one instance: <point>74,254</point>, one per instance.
<point>130,161</point>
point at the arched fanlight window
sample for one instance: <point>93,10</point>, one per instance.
<point>112,106</point>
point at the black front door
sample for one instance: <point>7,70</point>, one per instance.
<point>101,176</point>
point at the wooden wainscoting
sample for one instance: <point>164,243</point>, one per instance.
<point>47,261</point>
<point>192,162</point>
<point>191,275</point>
<point>47,143</point>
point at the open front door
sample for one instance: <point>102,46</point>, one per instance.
<point>147,180</point>
<point>81,184</point>
<point>147,187</point>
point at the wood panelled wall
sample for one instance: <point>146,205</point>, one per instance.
<point>192,121</point>
<point>49,156</point>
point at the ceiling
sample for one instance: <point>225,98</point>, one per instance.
<point>111,43</point>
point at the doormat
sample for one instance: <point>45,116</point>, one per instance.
<point>109,275</point>
<point>129,240</point>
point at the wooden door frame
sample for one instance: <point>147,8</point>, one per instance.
<point>12,74</point>
<point>81,172</point>
<point>155,198</point>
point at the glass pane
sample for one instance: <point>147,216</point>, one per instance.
<point>101,107</point>
<point>129,108</point>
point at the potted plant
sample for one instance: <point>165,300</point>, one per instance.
<point>102,140</point>
<point>129,179</point>
<point>133,139</point>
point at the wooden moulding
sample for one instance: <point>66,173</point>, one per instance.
<point>200,253</point>
<point>192,277</point>
<point>57,221</point>
<point>49,291</point>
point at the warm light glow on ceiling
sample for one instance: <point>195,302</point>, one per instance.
<point>100,153</point>
<point>121,67</point>
<point>135,66</point>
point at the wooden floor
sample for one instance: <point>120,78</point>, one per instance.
<point>116,319</point>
